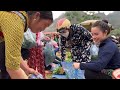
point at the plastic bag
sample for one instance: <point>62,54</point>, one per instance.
<point>29,39</point>
<point>94,52</point>
<point>71,72</point>
<point>59,77</point>
<point>33,76</point>
<point>49,53</point>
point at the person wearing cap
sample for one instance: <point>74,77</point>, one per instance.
<point>13,24</point>
<point>79,40</point>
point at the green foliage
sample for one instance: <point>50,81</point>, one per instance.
<point>115,32</point>
<point>79,16</point>
<point>69,57</point>
<point>58,70</point>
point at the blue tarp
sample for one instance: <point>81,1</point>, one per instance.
<point>71,72</point>
<point>59,76</point>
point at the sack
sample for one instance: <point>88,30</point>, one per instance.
<point>29,39</point>
<point>94,52</point>
<point>49,53</point>
<point>88,23</point>
<point>71,72</point>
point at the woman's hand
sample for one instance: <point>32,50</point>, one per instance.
<point>76,65</point>
<point>32,71</point>
<point>27,69</point>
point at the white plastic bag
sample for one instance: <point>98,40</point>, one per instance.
<point>94,52</point>
<point>29,39</point>
<point>49,53</point>
<point>33,76</point>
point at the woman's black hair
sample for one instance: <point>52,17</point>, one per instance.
<point>104,20</point>
<point>43,14</point>
<point>102,25</point>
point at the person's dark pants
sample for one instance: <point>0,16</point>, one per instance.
<point>95,75</point>
<point>3,73</point>
<point>25,53</point>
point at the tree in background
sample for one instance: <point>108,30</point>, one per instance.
<point>80,16</point>
<point>115,32</point>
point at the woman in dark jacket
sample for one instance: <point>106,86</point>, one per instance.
<point>108,55</point>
